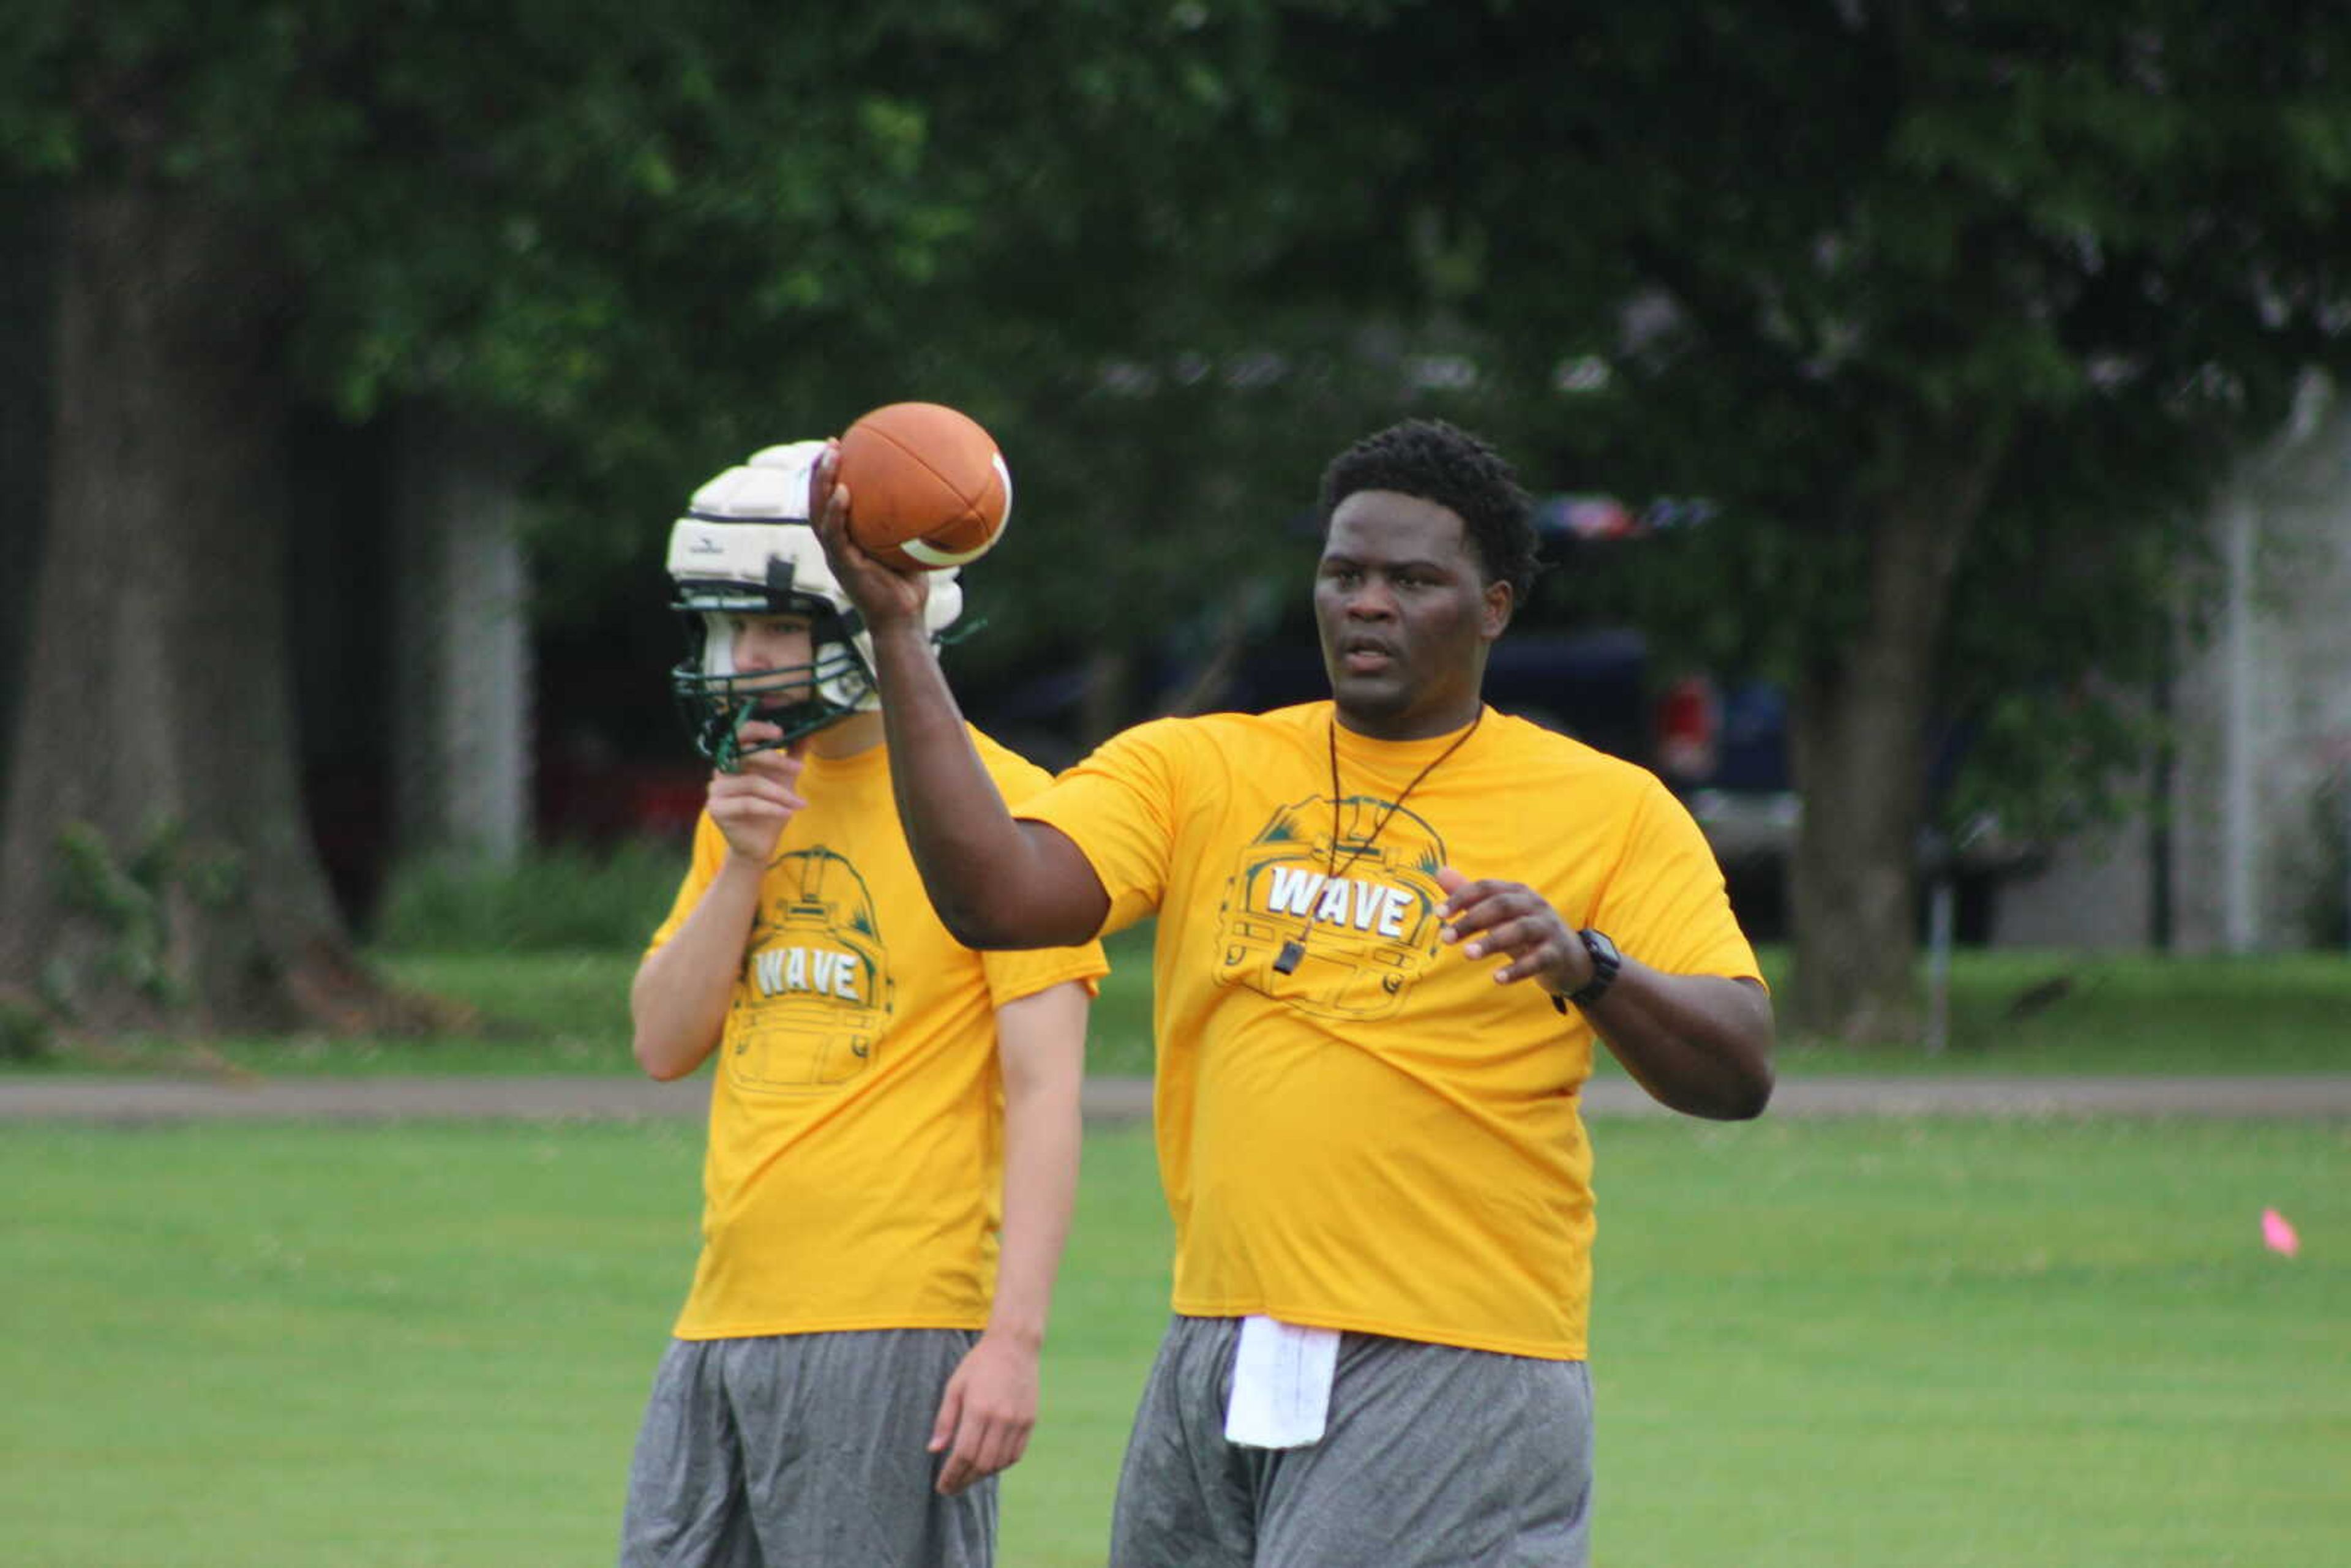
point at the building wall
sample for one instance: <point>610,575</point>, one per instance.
<point>2267,721</point>
<point>462,680</point>
<point>2096,891</point>
<point>2261,709</point>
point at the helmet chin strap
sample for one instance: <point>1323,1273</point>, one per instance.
<point>715,700</point>
<point>720,735</point>
<point>721,739</point>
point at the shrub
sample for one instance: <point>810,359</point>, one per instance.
<point>25,1033</point>
<point>566,897</point>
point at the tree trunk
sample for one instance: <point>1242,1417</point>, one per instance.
<point>28,287</point>
<point>157,870</point>
<point>1858,734</point>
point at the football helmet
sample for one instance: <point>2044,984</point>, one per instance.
<point>745,546</point>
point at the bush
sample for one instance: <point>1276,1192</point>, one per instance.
<point>557,899</point>
<point>25,1033</point>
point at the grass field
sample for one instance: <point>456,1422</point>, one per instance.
<point>1886,1345</point>
<point>2010,1012</point>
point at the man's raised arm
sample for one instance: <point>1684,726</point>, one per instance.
<point>996,882</point>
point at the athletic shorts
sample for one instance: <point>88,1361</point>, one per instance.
<point>802,1451</point>
<point>1434,1457</point>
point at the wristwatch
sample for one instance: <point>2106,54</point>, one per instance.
<point>1605,962</point>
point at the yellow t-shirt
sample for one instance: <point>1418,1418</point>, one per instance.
<point>1383,1140</point>
<point>855,1166</point>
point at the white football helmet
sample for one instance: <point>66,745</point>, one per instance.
<point>745,546</point>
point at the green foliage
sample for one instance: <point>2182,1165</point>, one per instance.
<point>551,1011</point>
<point>1175,256</point>
<point>1817,261</point>
<point>129,899</point>
<point>657,237</point>
<point>553,900</point>
<point>26,1033</point>
<point>122,897</point>
<point>1827,256</point>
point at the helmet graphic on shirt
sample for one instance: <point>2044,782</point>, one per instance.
<point>818,994</point>
<point>745,546</point>
<point>1364,934</point>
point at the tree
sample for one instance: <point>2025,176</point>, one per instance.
<point>2054,268</point>
<point>1949,308</point>
<point>616,228</point>
<point>167,450</point>
<point>1955,311</point>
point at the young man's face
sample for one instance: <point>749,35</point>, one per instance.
<point>781,642</point>
<point>1406,615</point>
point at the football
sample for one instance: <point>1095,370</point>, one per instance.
<point>927,488</point>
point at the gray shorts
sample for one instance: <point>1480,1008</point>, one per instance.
<point>802,1451</point>
<point>1435,1457</point>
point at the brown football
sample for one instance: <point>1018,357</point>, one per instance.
<point>927,488</point>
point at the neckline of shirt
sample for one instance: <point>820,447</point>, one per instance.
<point>873,759</point>
<point>1365,751</point>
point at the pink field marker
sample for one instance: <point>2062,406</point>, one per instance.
<point>2277,1235</point>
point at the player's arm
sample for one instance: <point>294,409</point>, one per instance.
<point>677,1003</point>
<point>1700,1044</point>
<point>990,1405</point>
<point>995,880</point>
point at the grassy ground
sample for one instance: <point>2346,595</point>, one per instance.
<point>1882,1344</point>
<point>2010,1012</point>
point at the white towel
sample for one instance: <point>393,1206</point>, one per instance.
<point>1281,1384</point>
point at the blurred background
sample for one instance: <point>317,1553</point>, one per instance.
<point>1934,410</point>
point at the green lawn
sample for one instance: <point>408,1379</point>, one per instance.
<point>2010,1012</point>
<point>1887,1344</point>
<point>2027,1011</point>
<point>564,1012</point>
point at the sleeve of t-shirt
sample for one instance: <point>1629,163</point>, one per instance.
<point>709,849</point>
<point>1120,806</point>
<point>1665,902</point>
<point>1012,974</point>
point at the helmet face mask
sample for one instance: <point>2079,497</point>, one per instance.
<point>745,548</point>
<point>715,699</point>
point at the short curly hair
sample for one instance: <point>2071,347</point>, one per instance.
<point>1442,463</point>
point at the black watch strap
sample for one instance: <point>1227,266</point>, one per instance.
<point>1605,962</point>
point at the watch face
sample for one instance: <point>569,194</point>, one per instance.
<point>1606,961</point>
